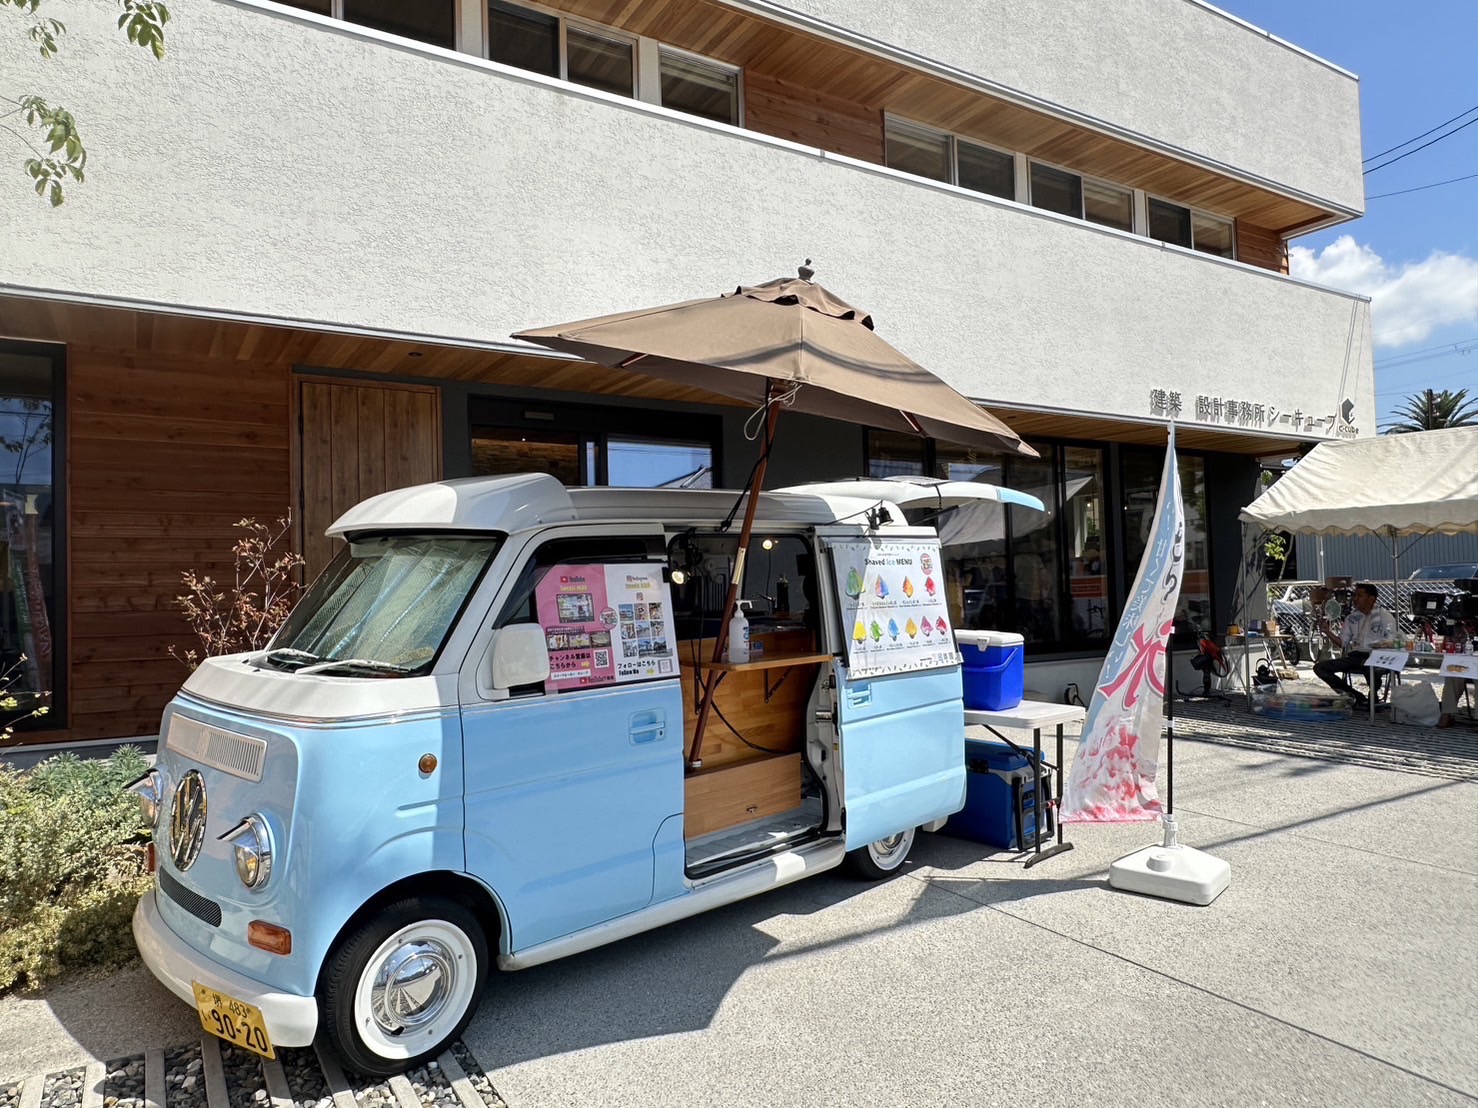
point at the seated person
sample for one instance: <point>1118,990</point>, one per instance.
<point>1366,628</point>
<point>1452,691</point>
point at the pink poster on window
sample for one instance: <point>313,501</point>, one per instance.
<point>606,624</point>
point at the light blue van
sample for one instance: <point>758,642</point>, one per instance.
<point>465,750</point>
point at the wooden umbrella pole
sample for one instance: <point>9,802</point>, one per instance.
<point>721,640</point>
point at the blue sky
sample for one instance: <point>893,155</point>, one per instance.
<point>1415,254</point>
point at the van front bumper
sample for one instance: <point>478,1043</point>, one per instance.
<point>291,1020</point>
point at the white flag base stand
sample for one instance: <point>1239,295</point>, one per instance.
<point>1171,871</point>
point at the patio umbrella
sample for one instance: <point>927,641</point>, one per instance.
<point>785,343</point>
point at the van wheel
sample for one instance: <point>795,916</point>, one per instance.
<point>403,986</point>
<point>881,859</point>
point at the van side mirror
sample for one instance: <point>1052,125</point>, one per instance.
<point>520,656</point>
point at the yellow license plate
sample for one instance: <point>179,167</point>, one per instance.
<point>234,1020</point>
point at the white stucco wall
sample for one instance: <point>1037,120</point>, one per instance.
<point>275,167</point>
<point>1177,71</point>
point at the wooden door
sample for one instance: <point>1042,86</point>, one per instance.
<point>356,440</point>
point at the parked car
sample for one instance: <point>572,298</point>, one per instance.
<point>1446,571</point>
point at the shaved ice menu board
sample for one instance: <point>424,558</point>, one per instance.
<point>892,600</point>
<point>605,624</point>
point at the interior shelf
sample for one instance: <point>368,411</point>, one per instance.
<point>770,661</point>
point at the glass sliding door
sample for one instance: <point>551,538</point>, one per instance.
<point>30,524</point>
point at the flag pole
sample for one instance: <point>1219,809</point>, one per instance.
<point>1168,818</point>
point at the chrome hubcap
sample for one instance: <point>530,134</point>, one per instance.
<point>412,985</point>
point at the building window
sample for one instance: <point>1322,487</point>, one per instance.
<point>30,542</point>
<point>697,86</point>
<point>576,52</point>
<point>940,156</point>
<point>1056,190</point>
<point>429,21</point>
<point>524,39</point>
<point>1044,574</point>
<point>982,169</point>
<point>918,150</point>
<point>1177,224</point>
<point>1141,486</point>
<point>572,443</point>
<point>599,61</point>
<point>890,454</point>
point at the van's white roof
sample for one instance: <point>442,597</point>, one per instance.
<point>526,500</point>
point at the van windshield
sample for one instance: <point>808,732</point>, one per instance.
<point>384,606</point>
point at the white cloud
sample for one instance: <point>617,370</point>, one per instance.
<point>1407,302</point>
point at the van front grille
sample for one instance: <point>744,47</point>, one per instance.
<point>191,901</point>
<point>238,755</point>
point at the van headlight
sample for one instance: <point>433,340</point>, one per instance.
<point>150,790</point>
<point>252,839</point>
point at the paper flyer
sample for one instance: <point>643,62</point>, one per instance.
<point>891,594</point>
<point>606,624</point>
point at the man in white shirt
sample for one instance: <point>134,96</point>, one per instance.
<point>1365,629</point>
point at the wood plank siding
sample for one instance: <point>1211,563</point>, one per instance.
<point>783,110</point>
<point>360,439</point>
<point>1260,247</point>
<point>165,454</point>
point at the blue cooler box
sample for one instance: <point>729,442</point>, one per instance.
<point>1000,798</point>
<point>995,679</point>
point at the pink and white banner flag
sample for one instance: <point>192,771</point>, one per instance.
<point>1113,776</point>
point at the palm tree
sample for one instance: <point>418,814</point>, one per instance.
<point>1432,411</point>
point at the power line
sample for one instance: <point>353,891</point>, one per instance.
<point>1423,146</point>
<point>1423,135</point>
<point>1416,359</point>
<point>1420,188</point>
<point>1428,350</point>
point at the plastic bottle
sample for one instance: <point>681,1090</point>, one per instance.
<point>782,595</point>
<point>739,635</point>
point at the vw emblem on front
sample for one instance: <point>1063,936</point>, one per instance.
<point>187,822</point>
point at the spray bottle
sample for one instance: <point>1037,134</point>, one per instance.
<point>739,634</point>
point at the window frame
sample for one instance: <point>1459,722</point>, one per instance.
<point>58,715</point>
<point>563,21</point>
<point>702,60</point>
<point>1084,178</point>
<point>953,140</point>
<point>1231,224</point>
<point>336,11</point>
<point>594,422</point>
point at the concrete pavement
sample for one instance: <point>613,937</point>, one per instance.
<point>1340,967</point>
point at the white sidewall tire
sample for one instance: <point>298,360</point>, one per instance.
<point>347,1020</point>
<point>883,858</point>
<point>463,958</point>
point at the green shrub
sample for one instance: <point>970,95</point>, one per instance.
<point>72,866</point>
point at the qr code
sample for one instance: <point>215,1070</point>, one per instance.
<point>602,659</point>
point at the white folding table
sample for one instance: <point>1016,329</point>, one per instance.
<point>1034,715</point>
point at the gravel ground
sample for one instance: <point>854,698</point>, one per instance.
<point>184,1081</point>
<point>478,1079</point>
<point>369,1093</point>
<point>123,1087</point>
<point>245,1085</point>
<point>305,1079</point>
<point>63,1090</point>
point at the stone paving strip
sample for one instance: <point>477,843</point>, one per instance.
<point>213,1074</point>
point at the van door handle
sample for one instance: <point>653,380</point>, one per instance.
<point>646,727</point>
<point>859,695</point>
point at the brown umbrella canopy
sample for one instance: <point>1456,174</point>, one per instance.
<point>784,333</point>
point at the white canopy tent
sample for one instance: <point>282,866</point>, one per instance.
<point>1393,485</point>
<point>1411,484</point>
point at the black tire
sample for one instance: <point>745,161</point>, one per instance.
<point>431,941</point>
<point>883,858</point>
